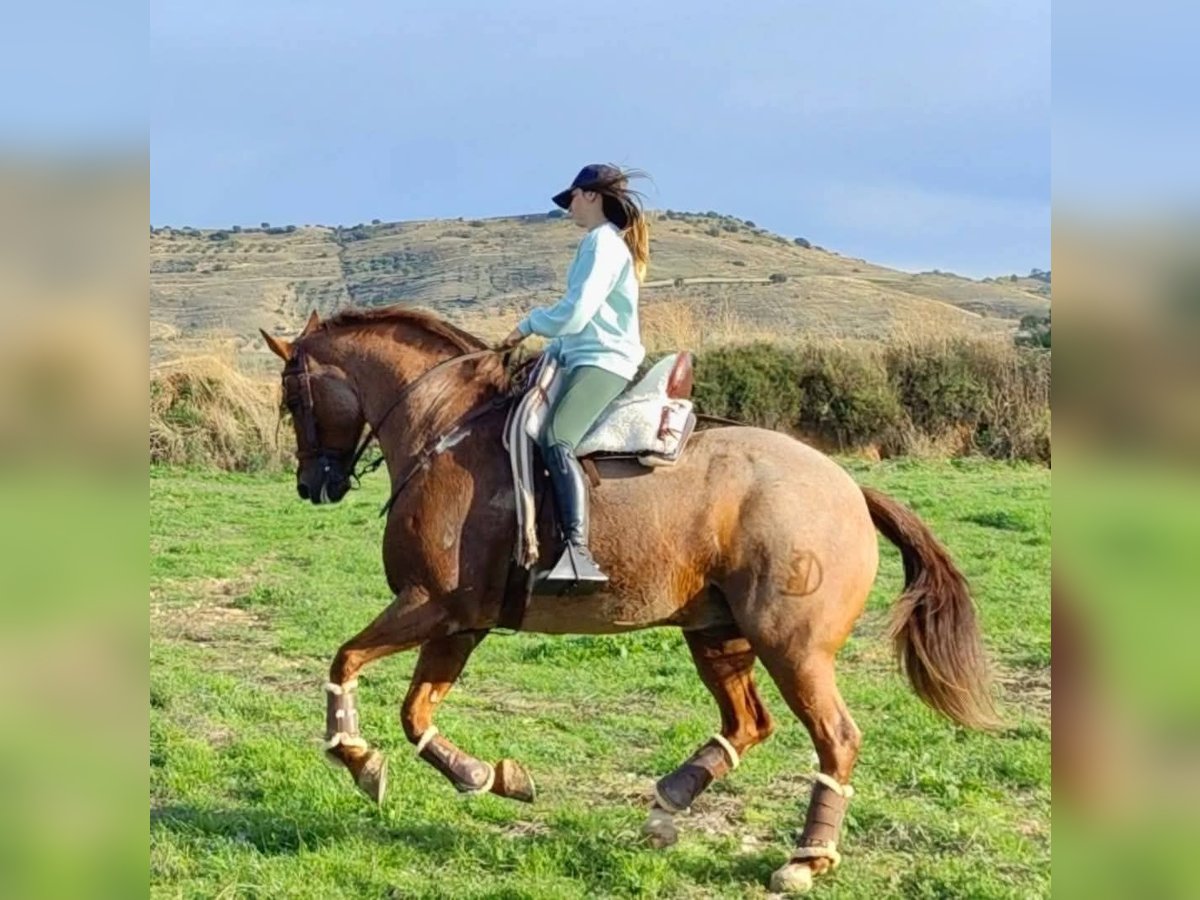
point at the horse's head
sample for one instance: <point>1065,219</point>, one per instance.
<point>326,414</point>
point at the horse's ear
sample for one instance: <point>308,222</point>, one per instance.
<point>313,323</point>
<point>279,347</point>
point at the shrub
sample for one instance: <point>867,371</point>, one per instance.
<point>939,384</point>
<point>948,397</point>
<point>803,242</point>
<point>846,397</point>
<point>753,383</point>
<point>777,278</point>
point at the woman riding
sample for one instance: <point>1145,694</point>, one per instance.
<point>596,340</point>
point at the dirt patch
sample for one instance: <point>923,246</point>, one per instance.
<point>1028,689</point>
<point>202,610</point>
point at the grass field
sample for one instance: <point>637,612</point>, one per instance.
<point>252,591</point>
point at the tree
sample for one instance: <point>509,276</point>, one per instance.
<point>266,224</point>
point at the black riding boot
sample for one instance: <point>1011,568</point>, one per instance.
<point>575,567</point>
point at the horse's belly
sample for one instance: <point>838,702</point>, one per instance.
<point>610,613</point>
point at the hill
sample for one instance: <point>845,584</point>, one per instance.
<point>484,274</point>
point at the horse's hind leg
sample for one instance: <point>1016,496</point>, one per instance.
<point>725,662</point>
<point>440,663</point>
<point>406,623</point>
<point>805,677</point>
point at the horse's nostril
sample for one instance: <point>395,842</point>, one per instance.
<point>302,490</point>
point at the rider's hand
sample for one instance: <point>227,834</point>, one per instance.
<point>514,337</point>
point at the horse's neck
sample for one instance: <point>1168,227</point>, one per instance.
<point>385,370</point>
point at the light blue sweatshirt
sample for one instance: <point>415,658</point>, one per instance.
<point>596,322</point>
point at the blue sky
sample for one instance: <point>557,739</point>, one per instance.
<point>914,135</point>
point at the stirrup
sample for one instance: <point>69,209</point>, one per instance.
<point>575,572</point>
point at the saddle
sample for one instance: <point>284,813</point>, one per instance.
<point>650,421</point>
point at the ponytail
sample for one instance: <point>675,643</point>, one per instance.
<point>637,239</point>
<point>623,206</point>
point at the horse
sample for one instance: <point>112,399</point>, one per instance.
<point>757,546</point>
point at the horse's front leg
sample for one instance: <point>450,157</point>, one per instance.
<point>409,621</point>
<point>440,663</point>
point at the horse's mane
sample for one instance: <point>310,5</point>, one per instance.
<point>463,340</point>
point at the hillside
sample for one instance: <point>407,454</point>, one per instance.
<point>484,274</point>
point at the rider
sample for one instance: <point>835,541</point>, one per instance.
<point>596,341</point>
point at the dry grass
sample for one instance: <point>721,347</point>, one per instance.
<point>205,411</point>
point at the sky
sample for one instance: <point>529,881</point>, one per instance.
<point>912,135</point>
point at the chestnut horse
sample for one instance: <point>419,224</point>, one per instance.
<point>757,546</point>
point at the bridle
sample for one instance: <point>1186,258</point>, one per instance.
<point>297,367</point>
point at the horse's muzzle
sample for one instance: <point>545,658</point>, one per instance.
<point>329,486</point>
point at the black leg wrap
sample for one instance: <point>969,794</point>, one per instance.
<point>826,811</point>
<point>678,790</point>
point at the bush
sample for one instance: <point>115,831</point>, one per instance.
<point>948,397</point>
<point>714,231</point>
<point>1034,332</point>
<point>939,384</point>
<point>803,242</point>
<point>754,383</point>
<point>679,282</point>
<point>847,397</point>
<point>777,278</point>
<point>932,397</point>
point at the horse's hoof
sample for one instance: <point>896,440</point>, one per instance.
<point>660,830</point>
<point>792,878</point>
<point>513,782</point>
<point>372,777</point>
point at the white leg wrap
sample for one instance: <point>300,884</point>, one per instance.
<point>338,689</point>
<point>345,740</point>
<point>487,785</point>
<point>734,759</point>
<point>817,851</point>
<point>429,734</point>
<point>844,789</point>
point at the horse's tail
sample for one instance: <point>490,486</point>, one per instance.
<point>933,628</point>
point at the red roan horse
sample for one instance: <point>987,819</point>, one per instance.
<point>756,545</point>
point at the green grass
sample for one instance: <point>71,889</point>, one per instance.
<point>252,591</point>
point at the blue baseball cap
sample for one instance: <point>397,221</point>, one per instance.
<point>587,179</point>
